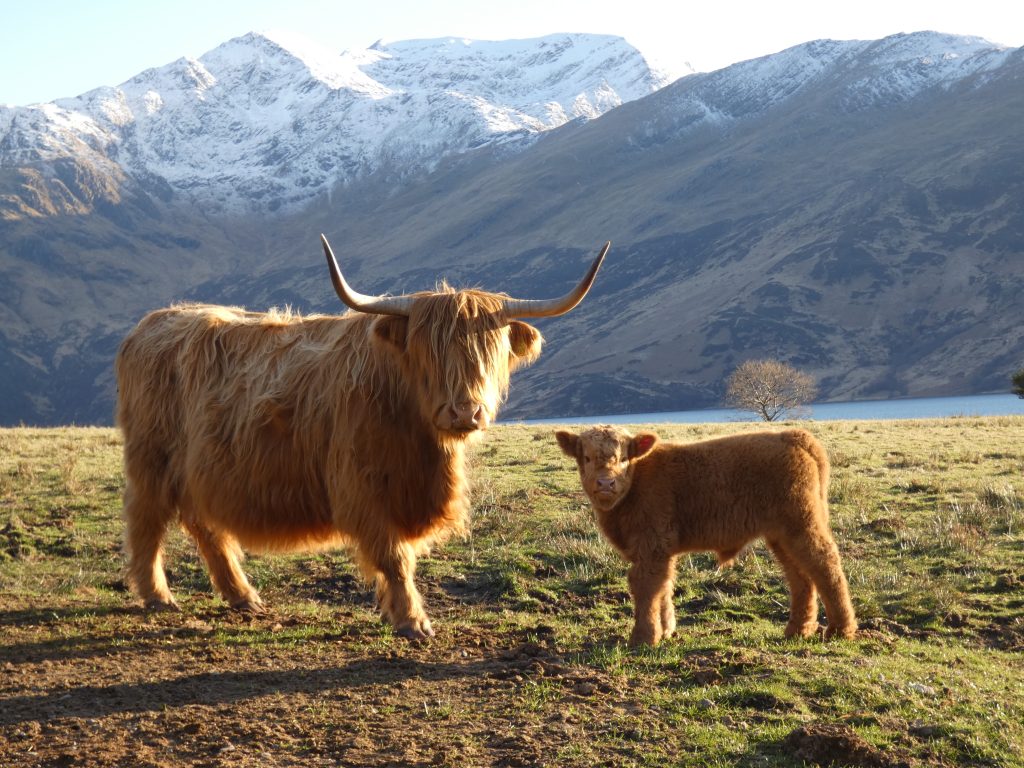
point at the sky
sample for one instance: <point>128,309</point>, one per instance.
<point>51,49</point>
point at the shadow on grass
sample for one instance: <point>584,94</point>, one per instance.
<point>133,630</point>
<point>51,615</point>
<point>213,688</point>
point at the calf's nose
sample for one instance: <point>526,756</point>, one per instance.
<point>606,483</point>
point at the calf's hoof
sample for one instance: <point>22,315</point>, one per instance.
<point>639,639</point>
<point>802,630</point>
<point>416,630</point>
<point>842,632</point>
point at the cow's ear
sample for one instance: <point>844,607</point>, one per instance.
<point>642,444</point>
<point>568,442</point>
<point>525,341</point>
<point>392,329</point>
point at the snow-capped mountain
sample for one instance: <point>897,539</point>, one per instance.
<point>852,207</point>
<point>268,121</point>
<point>855,74</point>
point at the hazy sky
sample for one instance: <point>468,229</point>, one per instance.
<point>50,49</point>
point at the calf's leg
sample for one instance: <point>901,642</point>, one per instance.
<point>650,584</point>
<point>803,602</point>
<point>816,553</point>
<point>668,611</point>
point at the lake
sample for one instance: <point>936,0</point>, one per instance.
<point>909,408</point>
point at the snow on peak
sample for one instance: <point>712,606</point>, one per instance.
<point>899,67</point>
<point>545,80</point>
<point>850,75</point>
<point>286,55</point>
<point>894,68</point>
<point>273,119</point>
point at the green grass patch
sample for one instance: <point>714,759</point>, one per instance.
<point>531,608</point>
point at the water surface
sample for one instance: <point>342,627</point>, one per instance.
<point>908,408</point>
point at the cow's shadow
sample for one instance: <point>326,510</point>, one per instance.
<point>213,688</point>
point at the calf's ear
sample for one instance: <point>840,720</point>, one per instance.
<point>642,444</point>
<point>568,442</point>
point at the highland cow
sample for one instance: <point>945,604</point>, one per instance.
<point>654,501</point>
<point>272,431</point>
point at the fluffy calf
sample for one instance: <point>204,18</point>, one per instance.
<point>656,500</point>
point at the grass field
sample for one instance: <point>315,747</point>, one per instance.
<point>529,665</point>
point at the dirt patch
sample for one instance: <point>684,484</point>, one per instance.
<point>213,688</point>
<point>14,540</point>
<point>839,745</point>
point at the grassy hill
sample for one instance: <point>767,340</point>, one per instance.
<point>529,665</point>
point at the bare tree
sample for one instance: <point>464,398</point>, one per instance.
<point>769,388</point>
<point>1018,383</point>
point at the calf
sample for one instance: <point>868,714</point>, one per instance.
<point>655,500</point>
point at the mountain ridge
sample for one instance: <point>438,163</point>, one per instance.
<point>851,207</point>
<point>279,126</point>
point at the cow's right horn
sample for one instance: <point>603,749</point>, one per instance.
<point>550,307</point>
<point>360,302</point>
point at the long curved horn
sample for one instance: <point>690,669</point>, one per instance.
<point>360,302</point>
<point>550,307</point>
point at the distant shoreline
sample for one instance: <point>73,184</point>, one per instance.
<point>901,408</point>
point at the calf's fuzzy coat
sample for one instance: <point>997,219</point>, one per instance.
<point>655,500</point>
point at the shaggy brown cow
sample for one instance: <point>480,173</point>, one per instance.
<point>655,500</point>
<point>272,431</point>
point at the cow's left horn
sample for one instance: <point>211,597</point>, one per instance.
<point>376,305</point>
<point>550,307</point>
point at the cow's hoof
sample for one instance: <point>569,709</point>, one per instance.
<point>251,605</point>
<point>417,631</point>
<point>157,604</point>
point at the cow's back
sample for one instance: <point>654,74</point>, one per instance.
<point>186,387</point>
<point>229,415</point>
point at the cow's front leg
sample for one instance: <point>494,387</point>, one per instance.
<point>400,602</point>
<point>649,581</point>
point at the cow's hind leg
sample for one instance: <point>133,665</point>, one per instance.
<point>803,602</point>
<point>394,568</point>
<point>223,558</point>
<point>146,519</point>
